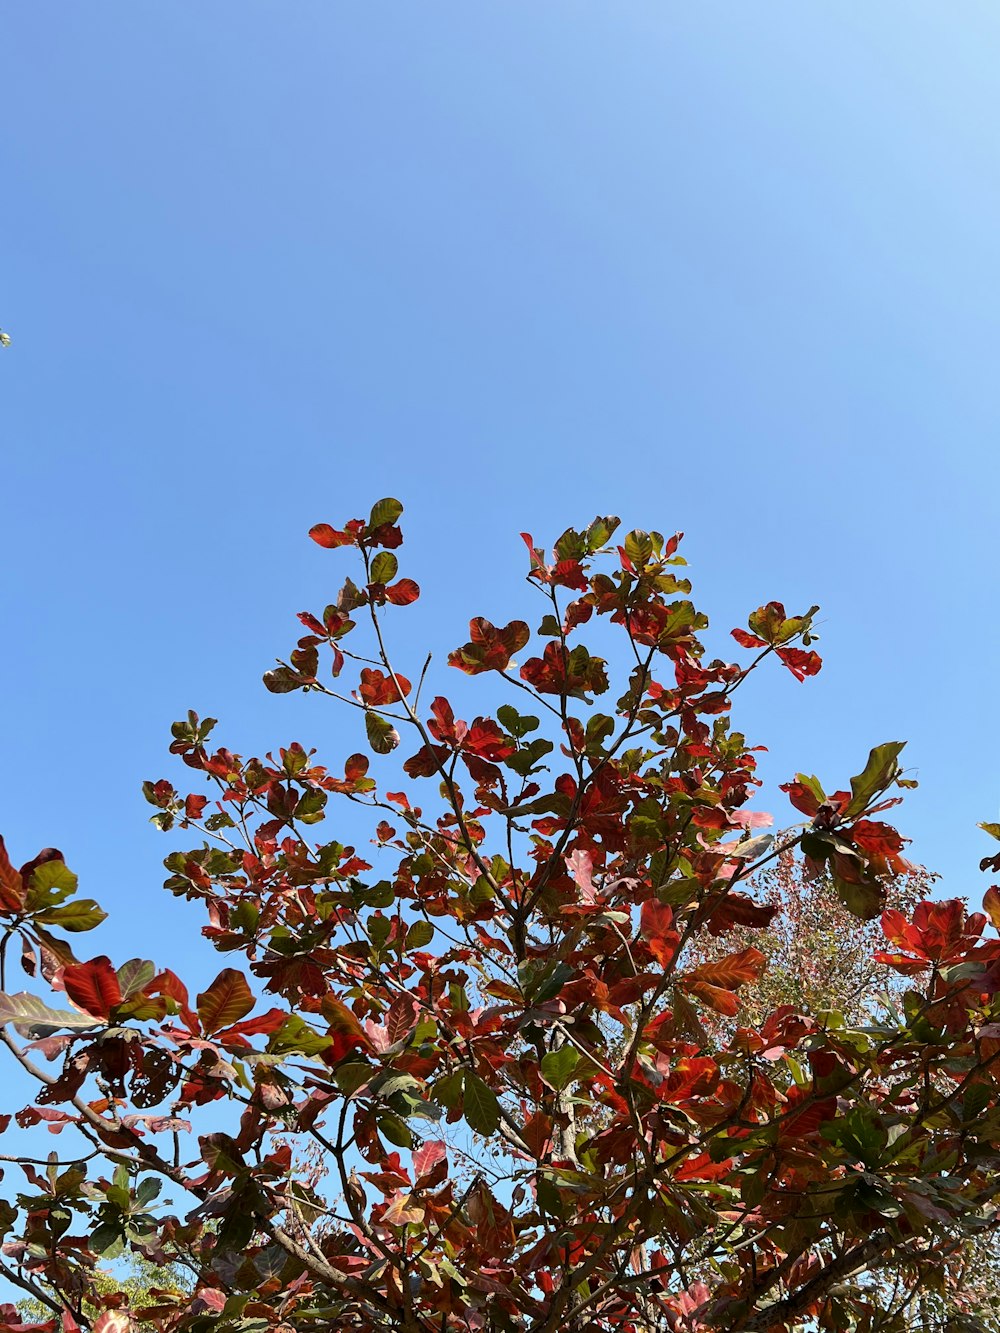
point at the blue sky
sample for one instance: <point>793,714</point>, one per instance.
<point>728,268</point>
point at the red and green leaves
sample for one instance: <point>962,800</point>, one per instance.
<point>573,946</point>
<point>770,627</point>
<point>37,894</point>
<point>568,671</point>
<point>380,530</point>
<point>489,648</point>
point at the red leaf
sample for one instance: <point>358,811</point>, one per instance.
<point>403,593</point>
<point>881,844</point>
<point>736,909</point>
<point>227,1000</point>
<point>577,613</point>
<point>539,569</point>
<point>377,689</point>
<point>169,984</point>
<point>486,740</point>
<point>703,1168</point>
<point>400,1018</point>
<point>426,762</point>
<point>494,1228</point>
<point>344,1027</point>
<point>799,662</point>
<point>323,535</point>
<point>427,1157</point>
<point>263,1024</point>
<point>93,987</point>
<point>655,927</point>
<point>991,902</point>
<point>194,806</point>
<point>800,1123</point>
<point>946,934</point>
<point>732,972</point>
<point>748,640</point>
<point>716,997</point>
<point>875,838</point>
<point>691,1076</point>
<point>569,574</point>
<point>442,725</point>
<point>11,884</point>
<point>802,797</point>
<point>710,816</point>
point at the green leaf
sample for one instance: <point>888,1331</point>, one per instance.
<point>84,914</point>
<point>51,882</point>
<point>148,1190</point>
<point>296,1035</point>
<point>352,1076</point>
<point>447,1090</point>
<point>420,934</point>
<point>384,511</point>
<point>992,829</point>
<point>813,784</point>
<point>638,547</point>
<point>600,532</point>
<point>974,1103</point>
<point>385,567</point>
<point>135,975</point>
<point>311,806</point>
<point>378,929</point>
<point>558,1067</point>
<point>482,1110</point>
<point>516,723</point>
<point>543,981</point>
<point>381,894</point>
<point>878,773</point>
<point>865,900</point>
<point>600,728</point>
<point>397,1131</point>
<point>33,1019</point>
<point>108,1239</point>
<point>549,1199</point>
<point>382,735</point>
<point>282,680</point>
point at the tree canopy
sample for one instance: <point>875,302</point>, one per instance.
<point>540,1060</point>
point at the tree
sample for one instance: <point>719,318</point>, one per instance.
<point>137,1280</point>
<point>819,954</point>
<point>526,1074</point>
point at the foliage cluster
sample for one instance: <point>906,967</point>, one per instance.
<point>533,1074</point>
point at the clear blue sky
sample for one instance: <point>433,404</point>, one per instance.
<point>730,268</point>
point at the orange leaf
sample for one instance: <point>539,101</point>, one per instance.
<point>227,1000</point>
<point>732,972</point>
